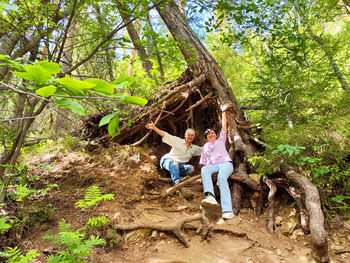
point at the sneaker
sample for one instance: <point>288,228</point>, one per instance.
<point>209,201</point>
<point>227,215</point>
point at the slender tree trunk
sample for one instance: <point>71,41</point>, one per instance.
<point>156,53</point>
<point>344,84</point>
<point>108,55</point>
<point>12,156</point>
<point>146,64</point>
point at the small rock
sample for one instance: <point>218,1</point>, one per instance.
<point>154,233</point>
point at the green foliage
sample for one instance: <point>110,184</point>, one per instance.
<point>75,246</point>
<point>4,225</point>
<point>92,196</point>
<point>96,222</point>
<point>68,92</point>
<point>14,255</point>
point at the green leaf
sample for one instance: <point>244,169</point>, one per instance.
<point>113,127</point>
<point>106,119</point>
<point>71,104</point>
<point>133,100</point>
<point>46,91</point>
<point>51,67</point>
<point>34,73</point>
<point>102,86</point>
<point>122,81</point>
<point>75,87</point>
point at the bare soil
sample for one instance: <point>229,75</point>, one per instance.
<point>131,174</point>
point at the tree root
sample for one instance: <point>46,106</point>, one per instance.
<point>173,227</point>
<point>293,192</point>
<point>271,198</point>
<point>313,206</point>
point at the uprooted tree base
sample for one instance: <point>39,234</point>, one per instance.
<point>191,101</point>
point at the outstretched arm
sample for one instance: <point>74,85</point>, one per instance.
<point>152,126</point>
<point>223,117</point>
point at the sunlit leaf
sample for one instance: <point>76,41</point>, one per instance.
<point>75,87</point>
<point>34,73</point>
<point>106,119</point>
<point>46,91</point>
<point>50,67</point>
<point>133,100</point>
<point>71,104</point>
<point>113,127</point>
<point>102,86</point>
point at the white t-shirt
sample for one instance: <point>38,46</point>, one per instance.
<point>179,152</point>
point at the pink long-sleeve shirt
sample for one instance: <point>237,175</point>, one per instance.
<point>215,152</point>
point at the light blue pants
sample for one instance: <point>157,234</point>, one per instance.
<point>176,169</point>
<point>224,170</point>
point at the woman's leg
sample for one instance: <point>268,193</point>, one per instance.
<point>207,181</point>
<point>225,170</point>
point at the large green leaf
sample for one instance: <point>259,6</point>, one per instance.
<point>102,86</point>
<point>51,67</point>
<point>46,91</point>
<point>34,73</point>
<point>113,127</point>
<point>75,87</point>
<point>106,119</point>
<point>133,100</point>
<point>71,104</point>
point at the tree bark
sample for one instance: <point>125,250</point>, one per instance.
<point>313,205</point>
<point>200,62</point>
<point>146,64</point>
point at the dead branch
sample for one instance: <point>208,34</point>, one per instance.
<point>200,101</point>
<point>147,134</point>
<point>175,188</point>
<point>174,227</point>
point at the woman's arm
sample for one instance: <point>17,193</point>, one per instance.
<point>151,126</point>
<point>223,117</point>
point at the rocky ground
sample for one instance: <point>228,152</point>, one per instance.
<point>132,175</point>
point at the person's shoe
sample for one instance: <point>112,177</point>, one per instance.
<point>227,215</point>
<point>209,201</point>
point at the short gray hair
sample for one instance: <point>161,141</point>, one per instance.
<point>190,131</point>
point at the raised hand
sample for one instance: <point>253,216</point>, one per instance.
<point>224,107</point>
<point>150,125</point>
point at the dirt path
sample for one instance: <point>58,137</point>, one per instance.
<point>131,175</point>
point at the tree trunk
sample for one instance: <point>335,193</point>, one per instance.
<point>201,62</point>
<point>156,53</point>
<point>108,55</point>
<point>344,84</point>
<point>146,64</point>
<point>12,156</point>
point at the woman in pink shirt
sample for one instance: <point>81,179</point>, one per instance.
<point>216,159</point>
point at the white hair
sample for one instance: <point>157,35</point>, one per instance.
<point>190,131</point>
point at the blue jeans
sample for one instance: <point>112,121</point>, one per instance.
<point>224,170</point>
<point>176,169</point>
